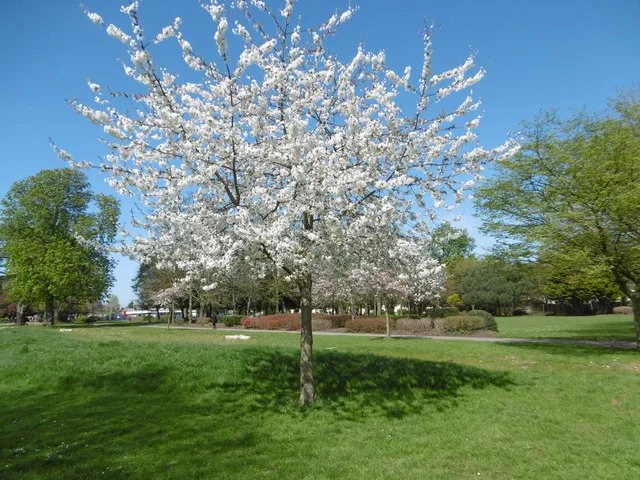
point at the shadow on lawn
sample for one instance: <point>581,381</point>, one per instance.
<point>355,385</point>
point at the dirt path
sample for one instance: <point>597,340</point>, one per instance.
<point>547,341</point>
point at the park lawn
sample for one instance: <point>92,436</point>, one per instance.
<point>593,327</point>
<point>132,402</point>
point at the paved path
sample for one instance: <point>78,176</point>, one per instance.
<point>547,341</point>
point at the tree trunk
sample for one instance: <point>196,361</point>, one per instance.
<point>20,314</point>
<point>48,309</point>
<point>307,386</point>
<point>386,311</point>
<point>189,313</point>
<point>635,303</point>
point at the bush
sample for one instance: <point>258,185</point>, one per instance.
<point>337,321</point>
<point>463,323</point>
<point>369,325</point>
<point>489,321</point>
<point>623,310</point>
<point>203,320</point>
<point>518,312</point>
<point>321,324</point>
<point>283,321</point>
<point>443,312</point>
<point>230,320</point>
<point>86,319</point>
<point>421,325</point>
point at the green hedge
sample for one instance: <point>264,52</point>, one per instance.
<point>490,322</point>
<point>230,320</point>
<point>464,323</point>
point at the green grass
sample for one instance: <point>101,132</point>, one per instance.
<point>595,327</point>
<point>118,402</point>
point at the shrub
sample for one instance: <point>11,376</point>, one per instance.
<point>230,320</point>
<point>623,310</point>
<point>321,324</point>
<point>337,321</point>
<point>489,321</point>
<point>283,321</point>
<point>86,319</point>
<point>442,312</point>
<point>203,320</point>
<point>421,325</point>
<point>463,323</point>
<point>518,312</point>
<point>369,325</point>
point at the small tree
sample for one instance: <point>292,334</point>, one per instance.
<point>280,150</point>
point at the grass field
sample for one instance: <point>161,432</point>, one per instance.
<point>594,327</point>
<point>132,402</point>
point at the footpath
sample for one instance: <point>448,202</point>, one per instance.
<point>544,341</point>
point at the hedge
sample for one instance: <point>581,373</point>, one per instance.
<point>442,312</point>
<point>463,323</point>
<point>623,310</point>
<point>369,325</point>
<point>230,320</point>
<point>490,322</point>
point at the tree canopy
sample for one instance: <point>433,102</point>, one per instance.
<point>574,186</point>
<point>276,150</point>
<point>54,232</point>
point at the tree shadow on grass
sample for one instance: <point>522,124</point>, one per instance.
<point>118,425</point>
<point>356,385</point>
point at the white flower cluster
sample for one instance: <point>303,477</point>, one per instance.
<point>283,152</point>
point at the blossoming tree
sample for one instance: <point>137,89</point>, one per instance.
<point>280,150</point>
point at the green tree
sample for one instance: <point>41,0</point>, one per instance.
<point>494,286</point>
<point>450,244</point>
<point>576,278</point>
<point>575,185</point>
<point>55,232</point>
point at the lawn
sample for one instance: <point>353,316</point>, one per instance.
<point>135,402</point>
<point>594,327</point>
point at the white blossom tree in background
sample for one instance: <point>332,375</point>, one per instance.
<point>280,150</point>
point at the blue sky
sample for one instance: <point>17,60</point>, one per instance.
<point>543,54</point>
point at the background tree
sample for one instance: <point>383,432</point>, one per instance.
<point>493,285</point>
<point>275,150</point>
<point>113,305</point>
<point>575,185</point>
<point>55,233</point>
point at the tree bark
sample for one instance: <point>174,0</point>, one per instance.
<point>20,314</point>
<point>635,303</point>
<point>48,309</point>
<point>307,386</point>
<point>386,311</point>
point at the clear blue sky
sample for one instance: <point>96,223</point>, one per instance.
<point>563,54</point>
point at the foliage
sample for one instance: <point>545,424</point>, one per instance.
<point>282,321</point>
<point>623,310</point>
<point>464,323</point>
<point>272,149</point>
<point>369,325</point>
<point>230,320</point>
<point>442,312</point>
<point>493,285</point>
<point>427,326</point>
<point>455,301</point>
<point>82,319</point>
<point>489,321</point>
<point>451,244</point>
<point>575,186</point>
<point>575,274</point>
<point>55,232</point>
